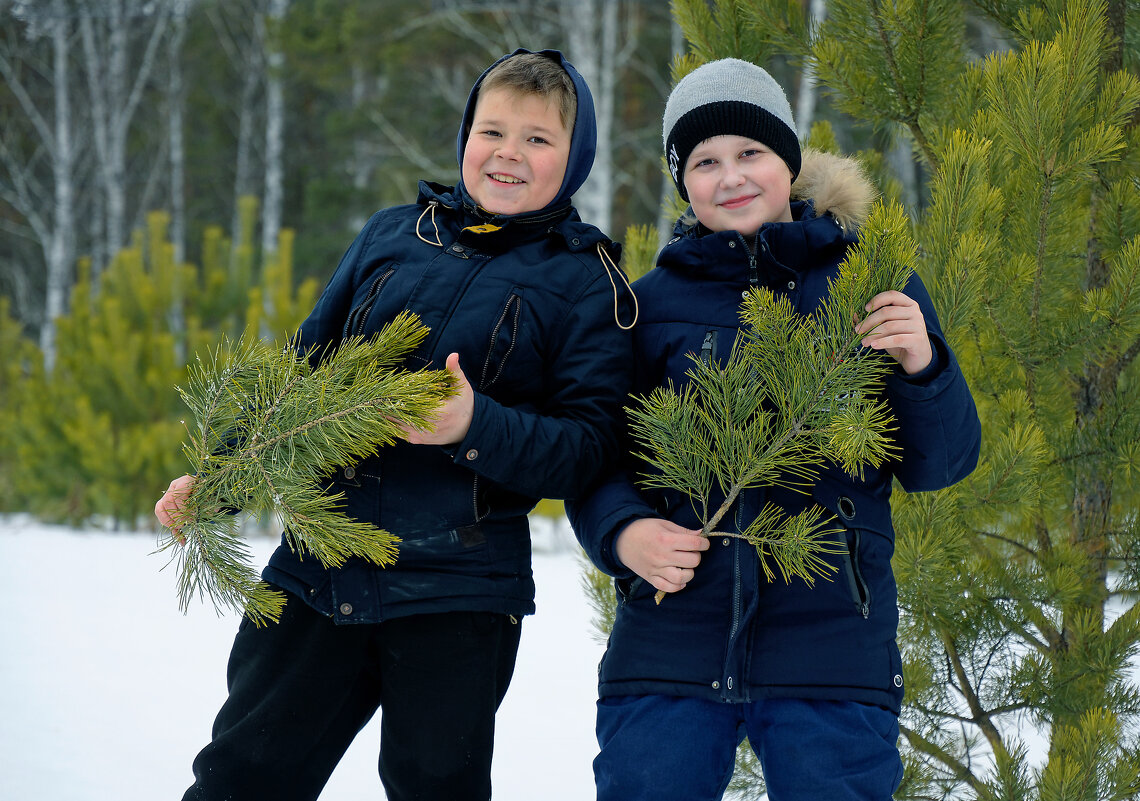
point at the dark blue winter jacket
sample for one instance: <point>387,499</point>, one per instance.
<point>529,305</point>
<point>731,634</point>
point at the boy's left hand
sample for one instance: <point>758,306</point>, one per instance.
<point>895,324</point>
<point>453,418</point>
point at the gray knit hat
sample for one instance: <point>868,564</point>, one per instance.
<point>733,97</point>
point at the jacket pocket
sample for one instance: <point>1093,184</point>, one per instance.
<point>358,317</point>
<point>860,592</point>
<point>503,338</point>
<point>626,588</point>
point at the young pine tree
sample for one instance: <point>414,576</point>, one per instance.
<point>1017,586</point>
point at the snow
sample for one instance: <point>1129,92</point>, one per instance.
<point>110,691</point>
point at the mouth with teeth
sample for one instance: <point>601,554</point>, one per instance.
<point>505,179</point>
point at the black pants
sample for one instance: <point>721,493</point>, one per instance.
<point>300,690</point>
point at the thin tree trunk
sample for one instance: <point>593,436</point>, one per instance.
<point>592,42</point>
<point>805,100</point>
<point>274,135</point>
<point>61,251</point>
<point>664,218</point>
<point>114,101</point>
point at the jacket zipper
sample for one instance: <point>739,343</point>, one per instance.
<point>514,303</point>
<point>859,591</point>
<point>357,318</point>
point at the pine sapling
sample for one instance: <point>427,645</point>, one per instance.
<point>795,393</point>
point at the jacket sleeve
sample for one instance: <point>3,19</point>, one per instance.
<point>599,515</point>
<point>939,431</point>
<point>560,449</point>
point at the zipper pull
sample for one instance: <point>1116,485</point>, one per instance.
<point>707,347</point>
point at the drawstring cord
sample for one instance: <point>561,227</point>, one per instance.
<point>608,262</point>
<point>430,207</point>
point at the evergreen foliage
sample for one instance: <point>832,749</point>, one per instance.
<point>795,393</point>
<point>1017,587</point>
<point>269,426</point>
<point>97,435</point>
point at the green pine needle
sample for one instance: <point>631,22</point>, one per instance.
<point>797,392</point>
<point>270,427</point>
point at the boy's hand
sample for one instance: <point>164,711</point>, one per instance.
<point>661,552</point>
<point>453,418</point>
<point>895,324</point>
<point>168,510</point>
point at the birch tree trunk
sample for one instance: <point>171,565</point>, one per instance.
<point>177,105</point>
<point>114,99</point>
<point>274,133</point>
<point>592,38</point>
<point>664,218</point>
<point>22,186</point>
<point>805,100</point>
<point>61,252</point>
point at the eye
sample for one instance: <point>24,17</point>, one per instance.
<point>538,140</point>
<point>706,162</point>
<point>489,132</point>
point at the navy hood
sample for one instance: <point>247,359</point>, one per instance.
<point>583,140</point>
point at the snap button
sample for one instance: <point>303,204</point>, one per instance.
<point>472,455</point>
<point>575,241</point>
<point>791,285</point>
<point>744,294</point>
<point>732,244</point>
<point>350,472</point>
<point>716,685</point>
<point>730,682</point>
<point>898,680</point>
<point>725,540</point>
<point>457,248</point>
<point>346,609</point>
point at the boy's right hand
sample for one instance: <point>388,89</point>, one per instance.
<point>168,510</point>
<point>661,552</point>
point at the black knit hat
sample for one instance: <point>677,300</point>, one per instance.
<point>732,97</point>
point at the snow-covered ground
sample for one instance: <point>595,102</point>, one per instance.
<point>107,690</point>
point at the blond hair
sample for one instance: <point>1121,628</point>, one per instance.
<point>535,74</point>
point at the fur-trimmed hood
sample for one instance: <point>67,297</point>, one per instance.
<point>836,185</point>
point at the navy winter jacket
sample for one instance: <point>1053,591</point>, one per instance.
<point>529,305</point>
<point>731,634</point>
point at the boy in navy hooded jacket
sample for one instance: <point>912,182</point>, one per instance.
<point>523,305</point>
<point>811,675</point>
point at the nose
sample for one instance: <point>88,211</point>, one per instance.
<point>508,149</point>
<point>731,175</point>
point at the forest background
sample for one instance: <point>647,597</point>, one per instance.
<point>176,171</point>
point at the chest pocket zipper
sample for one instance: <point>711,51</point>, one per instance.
<point>508,325</point>
<point>708,347</point>
<point>859,592</point>
<point>359,316</point>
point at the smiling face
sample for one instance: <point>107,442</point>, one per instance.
<point>737,184</point>
<point>515,157</point>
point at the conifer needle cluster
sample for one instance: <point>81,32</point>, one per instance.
<point>796,392</point>
<point>271,425</point>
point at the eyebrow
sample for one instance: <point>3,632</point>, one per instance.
<point>495,122</point>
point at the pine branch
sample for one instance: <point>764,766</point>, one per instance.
<point>795,393</point>
<point>270,428</point>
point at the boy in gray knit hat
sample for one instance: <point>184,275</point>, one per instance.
<point>811,675</point>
